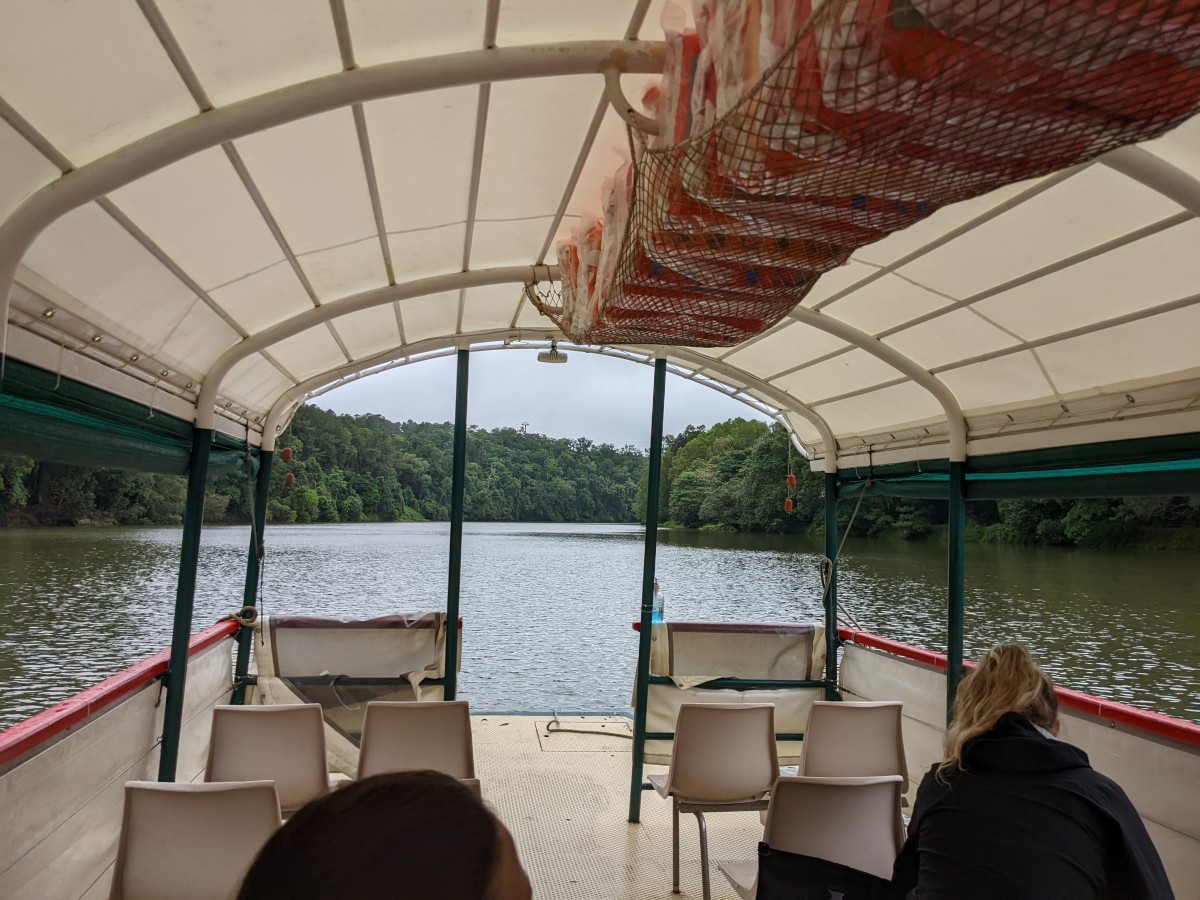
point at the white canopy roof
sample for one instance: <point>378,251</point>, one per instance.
<point>263,198</point>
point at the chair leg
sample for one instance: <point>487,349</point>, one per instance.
<point>703,853</point>
<point>675,847</point>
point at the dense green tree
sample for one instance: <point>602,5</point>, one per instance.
<point>730,476</point>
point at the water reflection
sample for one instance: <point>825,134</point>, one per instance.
<point>547,608</point>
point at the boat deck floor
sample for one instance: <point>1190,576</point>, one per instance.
<point>565,797</point>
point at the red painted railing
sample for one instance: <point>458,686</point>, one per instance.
<point>1153,723</point>
<point>36,730</point>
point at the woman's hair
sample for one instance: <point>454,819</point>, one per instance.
<point>420,835</point>
<point>1005,680</point>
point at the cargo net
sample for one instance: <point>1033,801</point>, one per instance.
<point>869,116</point>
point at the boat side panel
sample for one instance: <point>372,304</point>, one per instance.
<point>1163,781</point>
<point>60,810</point>
<point>1160,776</point>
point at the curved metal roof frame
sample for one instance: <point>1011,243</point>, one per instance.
<point>844,398</point>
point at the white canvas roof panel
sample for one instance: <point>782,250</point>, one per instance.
<point>952,336</point>
<point>309,352</point>
<point>263,298</point>
<point>1038,295</point>
<point>310,175</point>
<point>240,50</point>
<point>490,308</point>
<point>887,302</point>
<point>91,257</point>
<point>24,170</point>
<point>1140,275</point>
<point>256,383</point>
<point>427,251</point>
<point>1134,352</point>
<point>543,119</point>
<point>423,181</point>
<point>1079,213</point>
<point>861,414</point>
<point>384,31</point>
<point>430,317</point>
<point>509,243</point>
<point>370,331</point>
<point>347,269</point>
<point>1016,377</point>
<point>199,212</point>
<point>90,77</point>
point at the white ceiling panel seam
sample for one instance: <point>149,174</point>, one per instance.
<point>983,218</point>
<point>1050,340</point>
<point>1050,269</point>
<point>1121,241</point>
<point>60,160</point>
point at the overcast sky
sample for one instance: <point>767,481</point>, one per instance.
<point>601,398</point>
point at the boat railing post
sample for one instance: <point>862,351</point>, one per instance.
<point>185,595</point>
<point>956,572</point>
<point>258,518</point>
<point>642,689</point>
<point>457,492</point>
<point>831,553</point>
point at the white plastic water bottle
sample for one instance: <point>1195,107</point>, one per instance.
<point>656,615</point>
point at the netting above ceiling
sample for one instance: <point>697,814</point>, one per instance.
<point>788,138</point>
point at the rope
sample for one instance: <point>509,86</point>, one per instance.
<point>560,729</point>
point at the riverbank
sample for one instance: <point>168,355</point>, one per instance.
<point>1185,539</point>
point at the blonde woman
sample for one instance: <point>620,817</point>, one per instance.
<point>1011,811</point>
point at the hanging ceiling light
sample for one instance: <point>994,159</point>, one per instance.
<point>553,355</point>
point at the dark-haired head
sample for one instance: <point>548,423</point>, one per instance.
<point>401,835</point>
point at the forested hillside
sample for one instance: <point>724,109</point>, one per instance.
<point>733,476</point>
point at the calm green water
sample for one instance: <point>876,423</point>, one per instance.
<point>547,608</point>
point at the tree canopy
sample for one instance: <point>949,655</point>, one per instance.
<point>730,477</point>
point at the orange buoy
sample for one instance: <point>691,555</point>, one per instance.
<point>287,454</point>
<point>787,505</point>
<point>791,480</point>
<point>289,479</point>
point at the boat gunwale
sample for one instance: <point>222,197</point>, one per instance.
<point>1157,724</point>
<point>44,727</point>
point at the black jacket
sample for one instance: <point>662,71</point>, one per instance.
<point>1026,817</point>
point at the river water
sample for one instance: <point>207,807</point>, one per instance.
<point>547,608</point>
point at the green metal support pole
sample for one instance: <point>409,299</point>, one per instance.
<point>956,572</point>
<point>245,636</point>
<point>458,486</point>
<point>648,561</point>
<point>185,595</point>
<point>831,553</point>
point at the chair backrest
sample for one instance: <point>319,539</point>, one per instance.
<point>852,821</point>
<point>844,738</point>
<point>723,752</point>
<point>284,744</point>
<point>183,841</point>
<point>401,736</point>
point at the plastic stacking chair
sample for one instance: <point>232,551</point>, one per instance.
<point>723,759</point>
<point>852,822</point>
<point>284,744</point>
<point>401,736</point>
<point>845,738</point>
<point>185,841</point>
